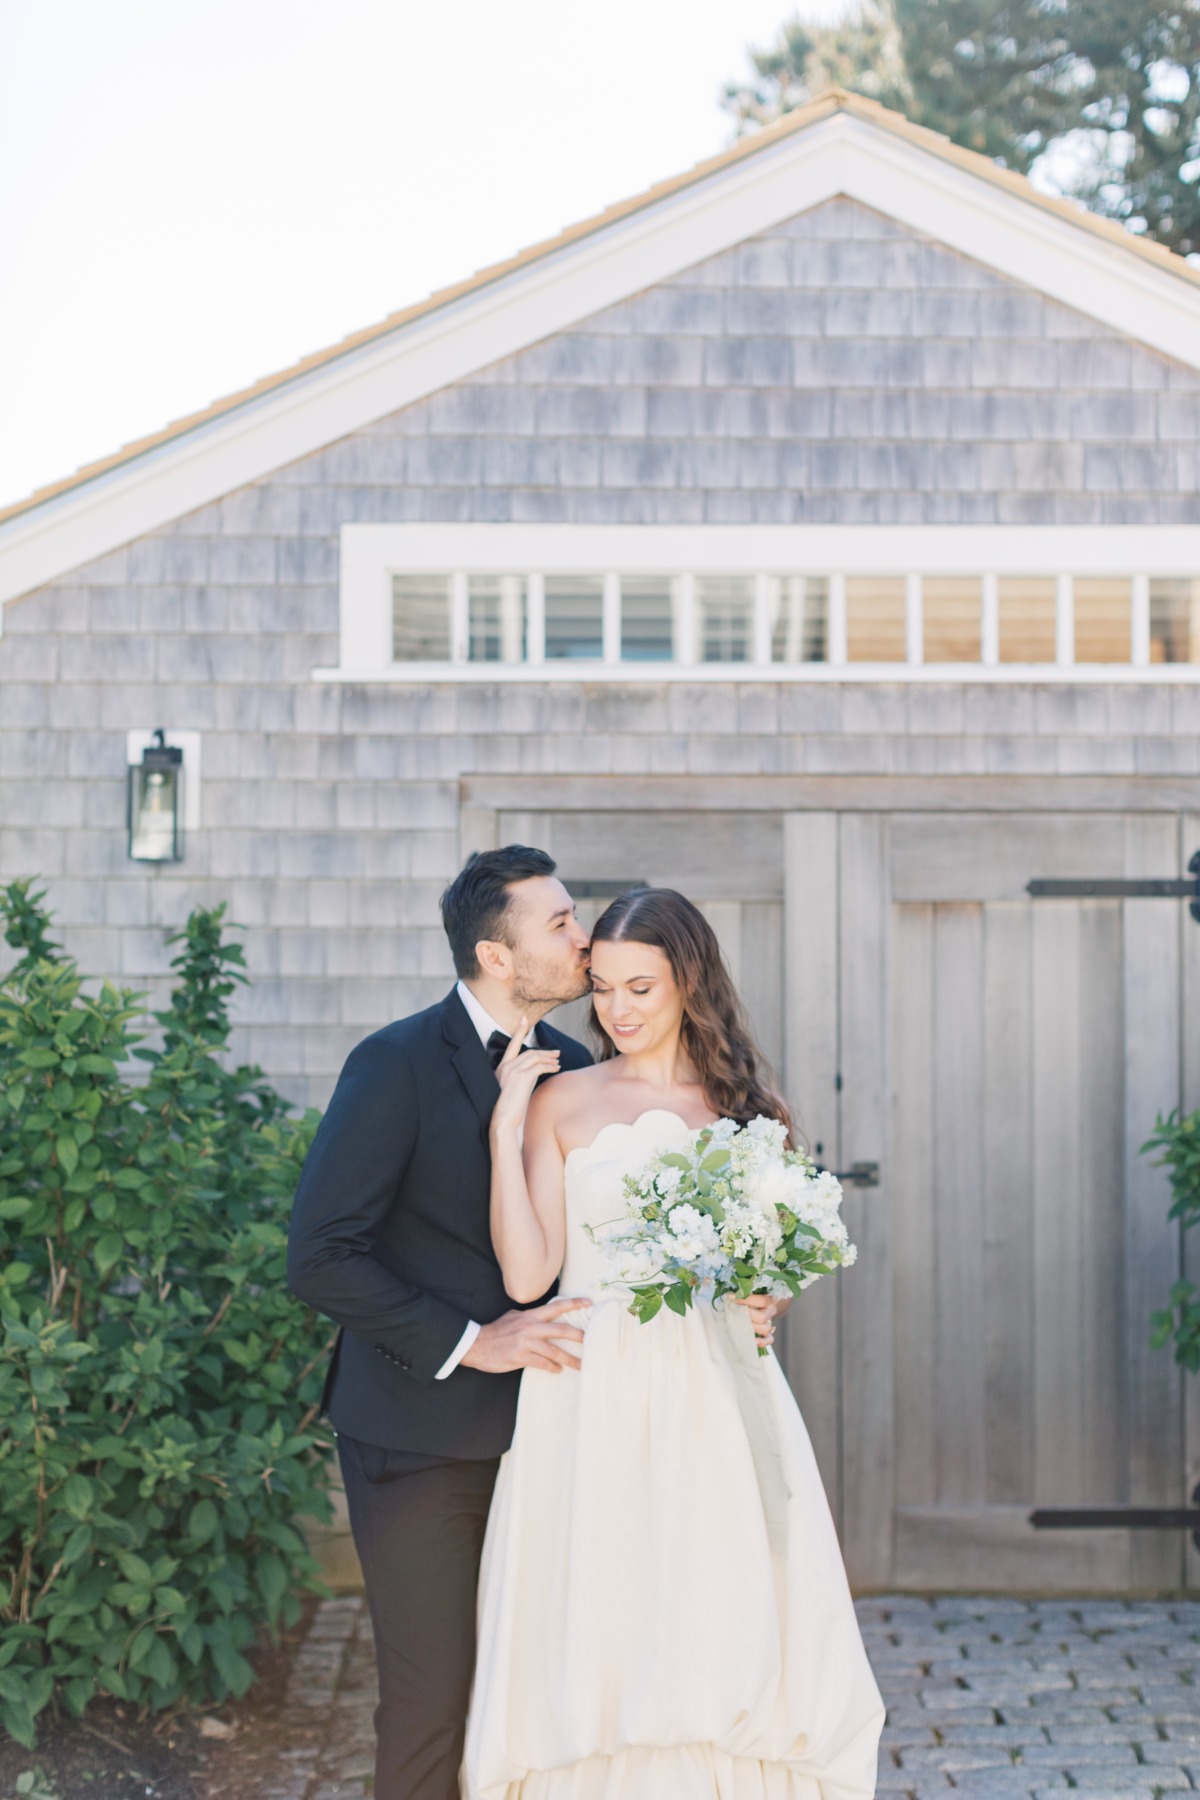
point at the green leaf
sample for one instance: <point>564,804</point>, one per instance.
<point>13,1685</point>
<point>108,1250</point>
<point>67,1152</point>
<point>15,1207</point>
<point>233,1669</point>
<point>130,1178</point>
<point>272,1579</point>
<point>17,1720</point>
<point>77,1545</point>
<point>160,1665</point>
<point>202,1521</point>
<point>77,1495</point>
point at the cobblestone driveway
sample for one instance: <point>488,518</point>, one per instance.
<point>993,1699</point>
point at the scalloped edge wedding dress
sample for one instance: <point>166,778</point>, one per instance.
<point>663,1609</point>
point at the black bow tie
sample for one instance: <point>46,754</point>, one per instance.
<point>497,1044</point>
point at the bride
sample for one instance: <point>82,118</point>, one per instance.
<point>663,1610</point>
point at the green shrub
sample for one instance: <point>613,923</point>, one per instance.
<point>1178,1138</point>
<point>158,1383</point>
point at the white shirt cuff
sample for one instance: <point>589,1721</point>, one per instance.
<point>459,1351</point>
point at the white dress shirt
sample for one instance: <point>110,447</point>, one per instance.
<point>484,1024</point>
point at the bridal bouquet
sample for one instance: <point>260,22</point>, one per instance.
<point>730,1209</point>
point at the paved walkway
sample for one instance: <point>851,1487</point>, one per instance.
<point>991,1698</point>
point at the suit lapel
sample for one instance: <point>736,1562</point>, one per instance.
<point>469,1057</point>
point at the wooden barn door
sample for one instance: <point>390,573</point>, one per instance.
<point>1002,1059</point>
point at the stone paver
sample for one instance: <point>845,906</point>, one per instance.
<point>989,1698</point>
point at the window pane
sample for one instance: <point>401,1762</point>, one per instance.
<point>497,615</point>
<point>1102,620</point>
<point>1174,621</point>
<point>725,614</point>
<point>647,614</point>
<point>951,611</point>
<point>875,618</point>
<point>1027,615</point>
<point>574,616</point>
<point>799,611</point>
<point>421,618</point>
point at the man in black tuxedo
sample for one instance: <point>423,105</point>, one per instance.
<point>390,1238</point>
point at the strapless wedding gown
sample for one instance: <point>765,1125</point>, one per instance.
<point>663,1609</point>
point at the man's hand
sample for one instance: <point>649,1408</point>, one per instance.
<point>527,1340</point>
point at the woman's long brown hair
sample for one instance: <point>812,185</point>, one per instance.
<point>715,1034</point>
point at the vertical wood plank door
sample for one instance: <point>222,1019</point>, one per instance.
<point>1029,1045</point>
<point>1002,1059</point>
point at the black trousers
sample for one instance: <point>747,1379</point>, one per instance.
<point>418,1525</point>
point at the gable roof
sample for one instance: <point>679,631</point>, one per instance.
<point>840,144</point>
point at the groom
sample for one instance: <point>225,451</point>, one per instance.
<point>390,1238</point>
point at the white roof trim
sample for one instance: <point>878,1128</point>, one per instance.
<point>839,155</point>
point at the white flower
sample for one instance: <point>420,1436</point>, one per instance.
<point>771,1185</point>
<point>770,1133</point>
<point>666,1182</point>
<point>693,1231</point>
<point>723,1130</point>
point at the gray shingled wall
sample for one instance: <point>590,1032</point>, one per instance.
<point>840,369</point>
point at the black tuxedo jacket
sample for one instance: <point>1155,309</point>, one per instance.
<point>390,1236</point>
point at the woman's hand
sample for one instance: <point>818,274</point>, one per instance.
<point>518,1072</point>
<point>763,1313</point>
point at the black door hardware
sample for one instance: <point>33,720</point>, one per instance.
<point>1106,887</point>
<point>1122,1518</point>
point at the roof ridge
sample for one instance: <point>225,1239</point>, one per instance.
<point>824,105</point>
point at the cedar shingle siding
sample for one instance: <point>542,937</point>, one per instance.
<point>838,370</point>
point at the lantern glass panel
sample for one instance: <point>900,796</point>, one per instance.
<point>156,812</point>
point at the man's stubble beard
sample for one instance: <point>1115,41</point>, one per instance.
<point>541,984</point>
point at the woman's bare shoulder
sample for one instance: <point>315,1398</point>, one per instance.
<point>564,1096</point>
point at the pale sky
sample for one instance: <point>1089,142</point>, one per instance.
<point>196,192</point>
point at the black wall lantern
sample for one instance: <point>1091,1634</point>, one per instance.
<point>156,804</point>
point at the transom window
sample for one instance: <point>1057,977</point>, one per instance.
<point>786,618</point>
<point>559,599</point>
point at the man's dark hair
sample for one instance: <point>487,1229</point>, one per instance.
<point>477,903</point>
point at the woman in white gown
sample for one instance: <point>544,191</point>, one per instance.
<point>663,1609</point>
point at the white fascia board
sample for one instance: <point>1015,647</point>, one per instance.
<point>840,155</point>
<point>1027,243</point>
<point>370,552</point>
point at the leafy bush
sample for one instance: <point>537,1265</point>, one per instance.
<point>158,1383</point>
<point>1178,1137</point>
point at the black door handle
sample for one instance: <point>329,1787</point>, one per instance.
<point>859,1174</point>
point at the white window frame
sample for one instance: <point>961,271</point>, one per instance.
<point>372,554</point>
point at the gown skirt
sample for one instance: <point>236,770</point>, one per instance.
<point>663,1609</point>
